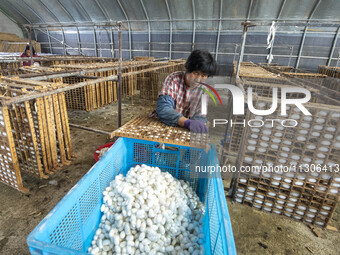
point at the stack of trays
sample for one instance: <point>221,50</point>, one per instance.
<point>292,171</point>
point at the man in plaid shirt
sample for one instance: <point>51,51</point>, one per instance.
<point>179,102</point>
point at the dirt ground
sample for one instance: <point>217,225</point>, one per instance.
<point>255,232</point>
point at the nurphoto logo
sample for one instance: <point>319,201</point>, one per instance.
<point>238,104</point>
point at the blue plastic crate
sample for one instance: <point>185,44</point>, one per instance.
<point>70,227</point>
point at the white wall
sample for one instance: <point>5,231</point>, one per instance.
<point>8,26</point>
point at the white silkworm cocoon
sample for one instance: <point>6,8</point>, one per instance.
<point>149,211</point>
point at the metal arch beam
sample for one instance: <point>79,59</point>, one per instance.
<point>52,14</point>
<point>79,42</point>
<point>249,8</point>
<point>33,11</point>
<point>219,31</point>
<point>129,26</point>
<point>71,17</point>
<point>49,40</point>
<point>64,41</point>
<point>301,47</point>
<point>16,9</point>
<point>314,9</point>
<point>149,29</point>
<point>102,10</point>
<point>100,42</point>
<point>108,19</point>
<point>194,25</point>
<point>48,32</point>
<point>243,43</point>
<point>112,43</point>
<point>20,13</point>
<point>333,47</point>
<point>305,33</point>
<point>281,9</point>
<point>170,18</point>
<point>95,41</point>
<point>83,9</point>
<point>5,12</point>
<point>277,18</point>
<point>94,31</point>
<point>65,10</point>
<point>59,40</point>
<point>36,14</point>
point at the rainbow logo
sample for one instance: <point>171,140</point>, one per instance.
<point>209,93</point>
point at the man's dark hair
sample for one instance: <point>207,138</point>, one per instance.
<point>28,47</point>
<point>201,61</point>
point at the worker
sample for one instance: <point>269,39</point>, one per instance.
<point>27,54</point>
<point>179,102</point>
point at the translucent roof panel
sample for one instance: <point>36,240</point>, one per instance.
<point>259,9</point>
<point>328,9</point>
<point>134,11</point>
<point>157,12</point>
<point>24,10</point>
<point>207,10</point>
<point>74,10</point>
<point>58,10</point>
<point>10,11</point>
<point>113,10</point>
<point>94,9</point>
<point>38,9</point>
<point>298,10</point>
<point>184,12</point>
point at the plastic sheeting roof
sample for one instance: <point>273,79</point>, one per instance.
<point>181,13</point>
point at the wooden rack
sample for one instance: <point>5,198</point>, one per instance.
<point>35,133</point>
<point>331,71</point>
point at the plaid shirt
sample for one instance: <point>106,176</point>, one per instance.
<point>187,101</point>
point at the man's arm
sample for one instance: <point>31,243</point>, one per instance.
<point>167,113</point>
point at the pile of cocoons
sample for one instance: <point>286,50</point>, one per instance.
<point>149,212</point>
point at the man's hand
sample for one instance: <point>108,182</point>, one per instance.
<point>196,126</point>
<point>181,121</point>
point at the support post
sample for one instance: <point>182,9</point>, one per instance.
<point>240,58</point>
<point>30,43</point>
<point>129,27</point>
<point>112,43</point>
<point>149,28</point>
<point>120,76</point>
<point>219,31</point>
<point>95,41</point>
<point>78,39</point>
<point>170,24</point>
<point>194,25</point>
<point>64,40</point>
<point>49,40</point>
<point>333,47</point>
